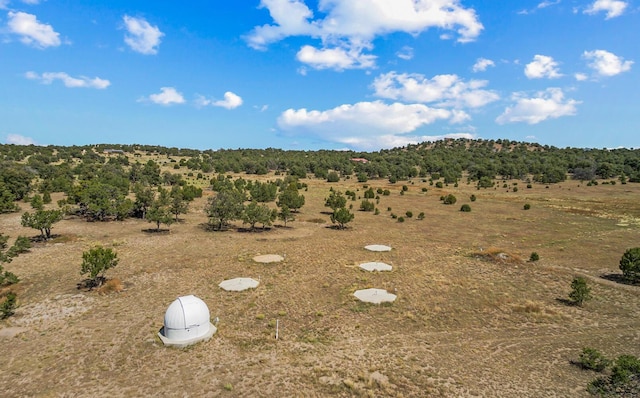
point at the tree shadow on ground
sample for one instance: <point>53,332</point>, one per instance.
<point>567,302</point>
<point>620,278</point>
<point>156,231</point>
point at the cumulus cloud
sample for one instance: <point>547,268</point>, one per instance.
<point>31,31</point>
<point>443,90</point>
<point>548,104</point>
<point>335,58</point>
<point>18,139</point>
<point>352,25</point>
<point>141,36</point>
<point>68,81</point>
<point>166,96</point>
<point>613,8</point>
<point>230,101</point>
<point>482,64</point>
<point>367,124</point>
<point>605,63</point>
<point>580,77</point>
<point>542,66</point>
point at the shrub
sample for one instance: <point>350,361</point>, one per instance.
<point>527,206</point>
<point>400,219</point>
<point>379,191</point>
<point>386,192</point>
<point>376,211</point>
<point>424,189</point>
<point>96,262</point>
<point>439,184</point>
<point>409,214</point>
<point>449,199</point>
<point>472,198</point>
<point>591,359</point>
<point>630,264</point>
<point>534,257</point>
<point>8,306</point>
<point>365,205</point>
<point>465,208</point>
<point>421,215</point>
<point>515,189</point>
<point>389,208</point>
<point>405,188</point>
<point>333,177</point>
<point>529,186</point>
<point>394,216</point>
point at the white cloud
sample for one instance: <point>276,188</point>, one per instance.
<point>548,104</point>
<point>542,66</point>
<point>482,64</point>
<point>547,3</point>
<point>68,81</point>
<point>606,63</point>
<point>18,139</point>
<point>352,25</point>
<point>335,58</point>
<point>366,124</point>
<point>31,2</point>
<point>613,8</point>
<point>141,36</point>
<point>444,90</point>
<point>405,53</point>
<point>32,32</point>
<point>230,101</point>
<point>167,96</point>
<point>580,77</point>
<point>4,4</point>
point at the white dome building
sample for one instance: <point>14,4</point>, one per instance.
<point>186,322</point>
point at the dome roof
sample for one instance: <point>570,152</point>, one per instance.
<point>186,318</point>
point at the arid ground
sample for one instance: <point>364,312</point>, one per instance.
<point>473,318</point>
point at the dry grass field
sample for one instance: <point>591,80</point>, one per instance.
<point>467,322</point>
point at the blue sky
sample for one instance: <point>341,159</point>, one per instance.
<point>327,74</point>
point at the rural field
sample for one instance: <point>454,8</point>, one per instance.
<point>473,318</point>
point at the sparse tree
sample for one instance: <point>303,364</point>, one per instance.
<point>177,204</point>
<point>96,262</point>
<point>8,306</point>
<point>291,198</point>
<point>342,217</point>
<point>226,206</point>
<point>335,201</point>
<point>285,215</point>
<point>256,213</point>
<point>630,264</point>
<point>580,291</point>
<point>42,220</point>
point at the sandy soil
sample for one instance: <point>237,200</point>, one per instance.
<point>462,325</point>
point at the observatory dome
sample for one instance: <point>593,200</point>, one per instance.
<point>186,321</point>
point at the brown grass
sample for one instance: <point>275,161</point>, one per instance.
<point>466,322</point>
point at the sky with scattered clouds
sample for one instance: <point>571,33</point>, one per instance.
<point>323,74</point>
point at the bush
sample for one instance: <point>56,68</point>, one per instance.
<point>449,199</point>
<point>472,198</point>
<point>405,188</point>
<point>534,257</point>
<point>8,306</point>
<point>365,205</point>
<point>630,264</point>
<point>376,211</point>
<point>333,177</point>
<point>527,206</point>
<point>529,186</point>
<point>96,262</point>
<point>421,215</point>
<point>409,214</point>
<point>386,192</point>
<point>439,184</point>
<point>515,189</point>
<point>591,359</point>
<point>465,208</point>
<point>424,189</point>
<point>400,219</point>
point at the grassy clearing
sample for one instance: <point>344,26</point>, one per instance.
<point>473,316</point>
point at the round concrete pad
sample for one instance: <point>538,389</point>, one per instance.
<point>376,266</point>
<point>378,248</point>
<point>268,258</point>
<point>238,284</point>
<point>375,296</point>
